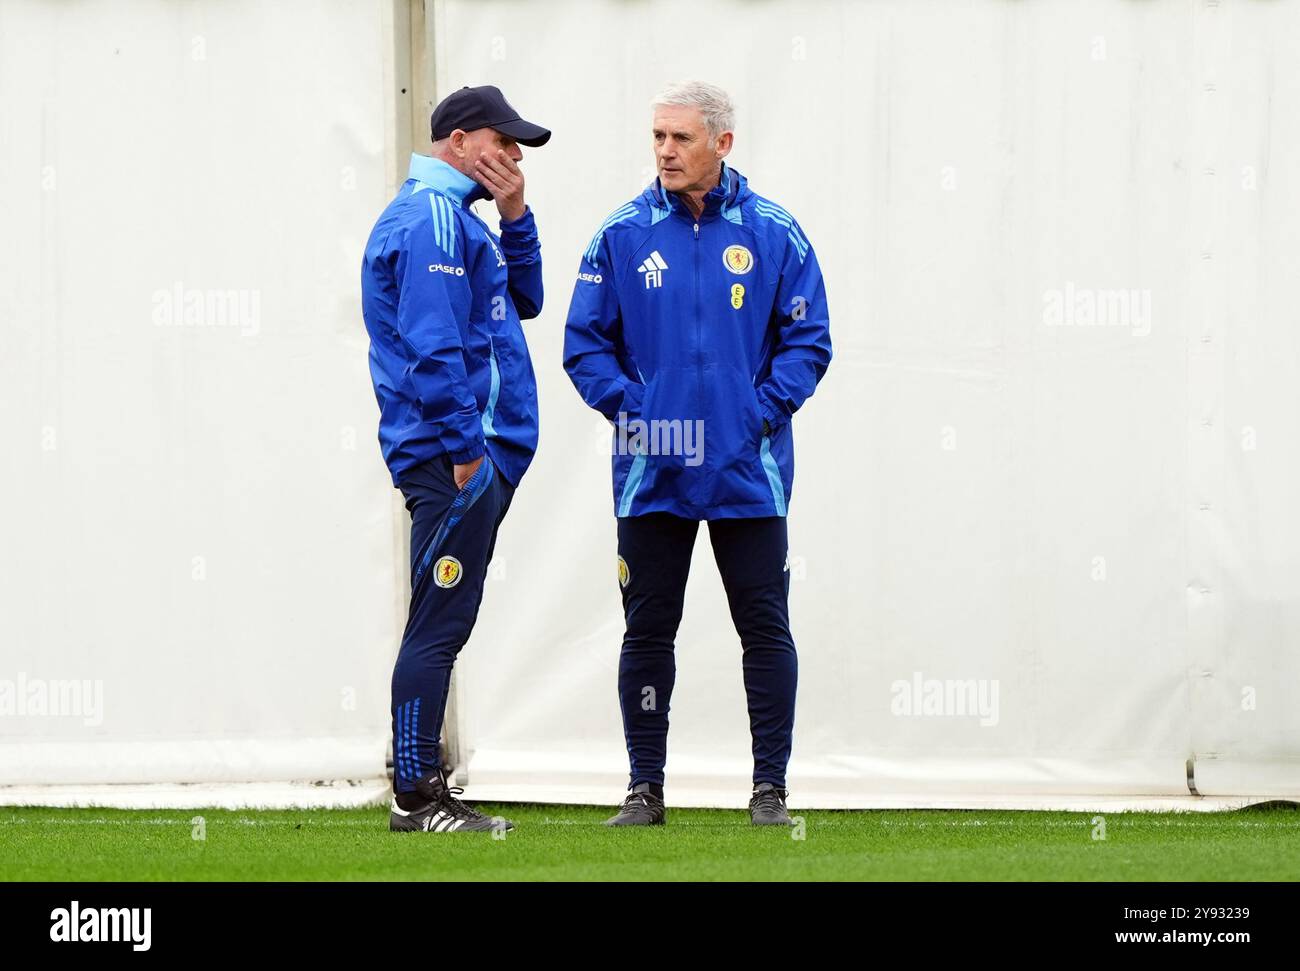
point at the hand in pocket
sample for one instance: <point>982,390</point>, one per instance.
<point>463,473</point>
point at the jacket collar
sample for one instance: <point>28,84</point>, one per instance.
<point>436,174</point>
<point>725,195</point>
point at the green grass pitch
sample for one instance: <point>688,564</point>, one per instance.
<point>568,843</point>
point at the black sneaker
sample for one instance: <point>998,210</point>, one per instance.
<point>767,807</point>
<point>442,812</point>
<point>641,808</point>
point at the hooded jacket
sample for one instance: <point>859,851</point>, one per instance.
<point>442,298</point>
<point>699,339</point>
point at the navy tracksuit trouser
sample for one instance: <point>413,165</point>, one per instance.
<point>453,533</point>
<point>655,557</point>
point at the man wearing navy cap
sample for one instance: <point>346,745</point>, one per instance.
<point>443,297</point>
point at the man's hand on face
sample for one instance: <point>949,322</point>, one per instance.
<point>463,473</point>
<point>502,177</point>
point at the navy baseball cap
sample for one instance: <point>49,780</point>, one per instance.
<point>484,107</point>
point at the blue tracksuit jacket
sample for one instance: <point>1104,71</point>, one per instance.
<point>689,334</point>
<point>442,298</point>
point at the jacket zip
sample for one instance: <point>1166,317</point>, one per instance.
<point>699,339</point>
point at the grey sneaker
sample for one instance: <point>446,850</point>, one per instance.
<point>641,808</point>
<point>767,806</point>
<point>442,812</point>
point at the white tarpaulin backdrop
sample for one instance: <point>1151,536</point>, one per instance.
<point>195,519</point>
<point>1043,532</point>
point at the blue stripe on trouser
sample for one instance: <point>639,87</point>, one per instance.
<point>751,557</point>
<point>404,747</point>
<point>401,742</point>
<point>478,484</point>
<point>445,522</point>
<point>415,738</point>
<point>408,736</point>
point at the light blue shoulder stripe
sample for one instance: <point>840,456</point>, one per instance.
<point>450,216</point>
<point>621,214</point>
<point>779,215</point>
<point>437,221</point>
<point>444,224</point>
<point>773,211</point>
<point>618,215</point>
